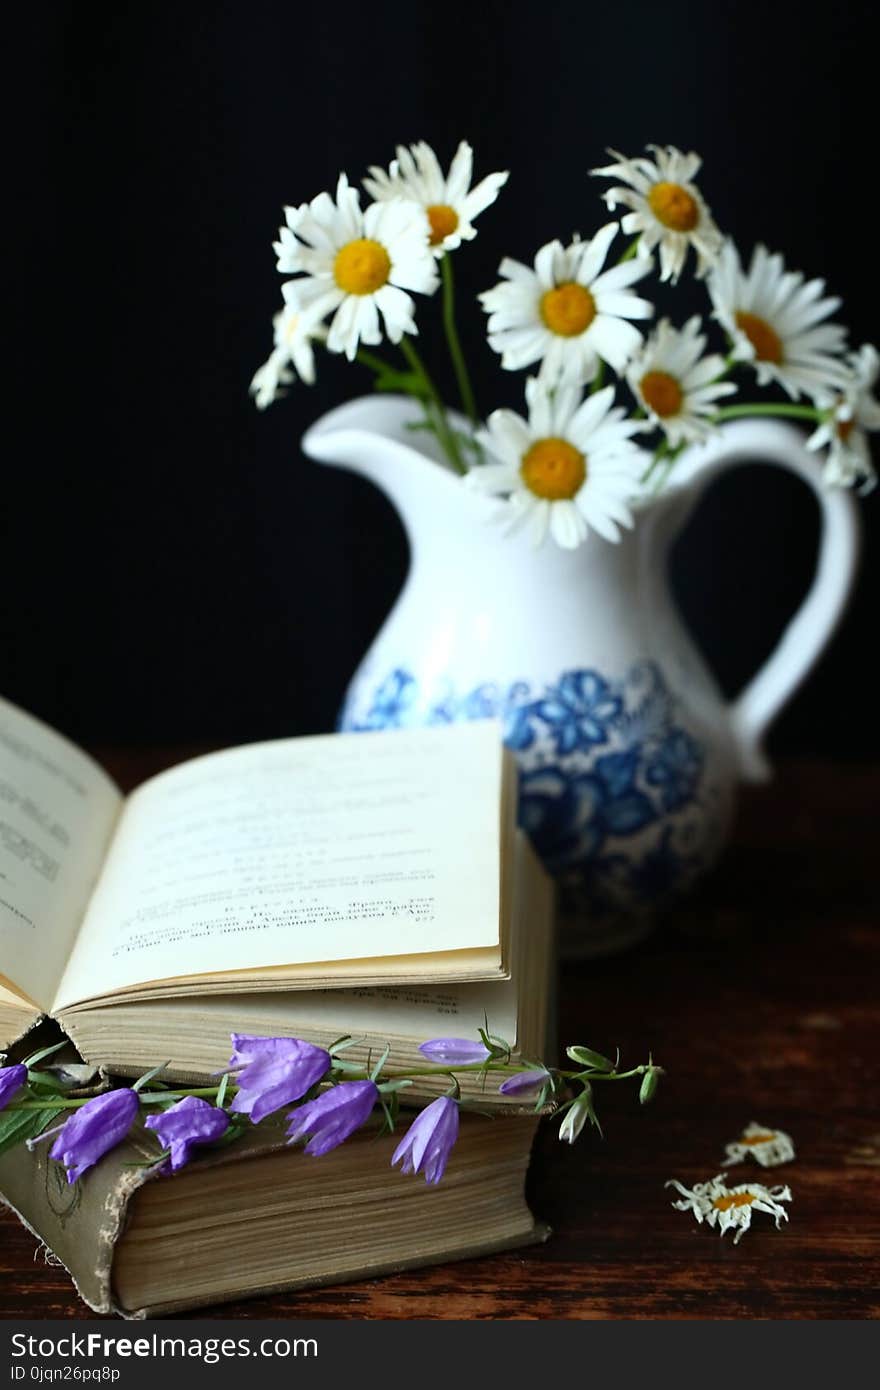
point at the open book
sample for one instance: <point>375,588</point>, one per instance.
<point>347,868</point>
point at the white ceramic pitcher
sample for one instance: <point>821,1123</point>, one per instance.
<point>629,755</point>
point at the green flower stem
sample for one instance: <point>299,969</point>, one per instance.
<point>792,412</point>
<point>599,378</point>
<point>432,397</point>
<point>452,339</point>
<point>211,1092</point>
<point>660,454</point>
<point>369,359</point>
<point>146,1098</point>
<point>601,1075</point>
<point>630,251</point>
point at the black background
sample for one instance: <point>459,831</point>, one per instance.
<point>173,568</point>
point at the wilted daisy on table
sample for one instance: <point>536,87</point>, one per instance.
<point>769,1147</point>
<point>731,1208</point>
<point>611,401</point>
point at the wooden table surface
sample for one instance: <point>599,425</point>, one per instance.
<point>760,997</point>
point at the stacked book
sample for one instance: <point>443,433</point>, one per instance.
<point>370,886</point>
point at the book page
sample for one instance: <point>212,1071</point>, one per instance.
<point>57,814</point>
<point>333,848</point>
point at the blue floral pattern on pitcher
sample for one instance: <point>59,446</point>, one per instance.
<point>608,776</point>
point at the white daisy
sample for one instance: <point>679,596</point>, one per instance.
<point>668,210</point>
<point>571,468</point>
<point>291,357</point>
<point>844,433</point>
<point>769,1147</point>
<point>447,201</point>
<point>355,265</point>
<point>566,313</point>
<point>775,321</point>
<point>727,1207</point>
<point>675,384</point>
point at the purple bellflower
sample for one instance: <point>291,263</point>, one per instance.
<point>247,1048</point>
<point>274,1072</point>
<point>191,1121</point>
<point>93,1130</point>
<point>11,1081</point>
<point>524,1083</point>
<point>454,1051</point>
<point>428,1142</point>
<point>333,1115</point>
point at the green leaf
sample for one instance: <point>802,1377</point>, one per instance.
<point>410,383</point>
<point>374,1074</point>
<point>18,1125</point>
<point>142,1081</point>
<point>44,1081</point>
<point>149,1162</point>
<point>496,1047</point>
<point>236,1129</point>
<point>44,1052</point>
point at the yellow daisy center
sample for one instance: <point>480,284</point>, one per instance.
<point>764,339</point>
<point>362,266</point>
<point>758,1139</point>
<point>661,393</point>
<point>443,220</point>
<point>674,207</point>
<point>568,309</point>
<point>735,1199</point>
<point>845,429</point>
<point>553,469</point>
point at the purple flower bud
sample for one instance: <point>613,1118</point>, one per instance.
<point>333,1116</point>
<point>93,1130</point>
<point>429,1140</point>
<point>454,1051</point>
<point>191,1121</point>
<point>524,1083</point>
<point>277,1071</point>
<point>11,1081</point>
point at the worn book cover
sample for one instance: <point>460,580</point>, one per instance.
<point>260,1216</point>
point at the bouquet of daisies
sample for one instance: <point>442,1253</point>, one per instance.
<point>600,387</point>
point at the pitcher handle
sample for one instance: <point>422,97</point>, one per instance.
<point>807,633</point>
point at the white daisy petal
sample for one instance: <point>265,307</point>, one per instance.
<point>594,253</point>
<point>615,340</point>
<point>567,525</point>
<point>511,437</point>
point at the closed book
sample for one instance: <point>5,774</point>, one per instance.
<point>259,1216</point>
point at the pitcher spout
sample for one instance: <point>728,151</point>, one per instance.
<point>385,439</point>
